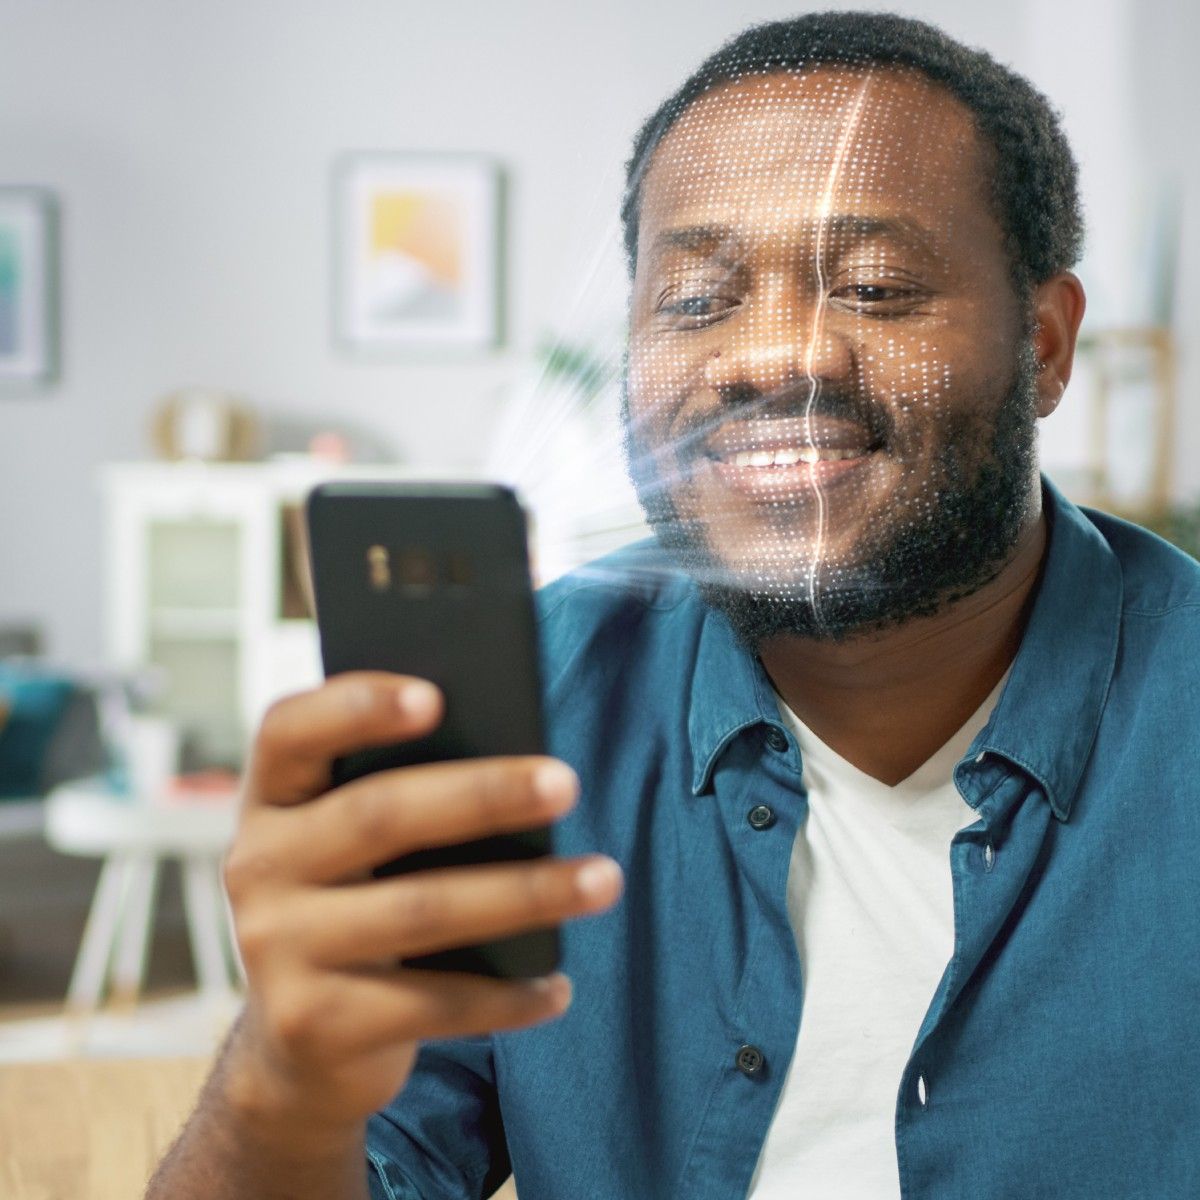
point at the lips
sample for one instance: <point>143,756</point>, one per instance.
<point>813,441</point>
<point>768,459</point>
<point>789,456</point>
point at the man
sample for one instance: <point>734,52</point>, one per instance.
<point>900,772</point>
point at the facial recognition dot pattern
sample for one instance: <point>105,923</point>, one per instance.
<point>829,401</point>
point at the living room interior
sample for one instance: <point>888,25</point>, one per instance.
<point>248,248</point>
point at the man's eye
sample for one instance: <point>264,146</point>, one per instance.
<point>869,292</point>
<point>877,297</point>
<point>697,309</point>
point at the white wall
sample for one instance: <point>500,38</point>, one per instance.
<point>190,144</point>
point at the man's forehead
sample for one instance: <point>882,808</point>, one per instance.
<point>867,132</point>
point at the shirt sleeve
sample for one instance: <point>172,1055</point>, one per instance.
<point>442,1137</point>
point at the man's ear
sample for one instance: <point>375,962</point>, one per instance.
<point>1058,306</point>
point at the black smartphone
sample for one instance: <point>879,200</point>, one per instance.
<point>432,580</point>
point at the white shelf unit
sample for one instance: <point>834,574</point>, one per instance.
<point>196,584</point>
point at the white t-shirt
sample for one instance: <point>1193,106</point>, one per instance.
<point>870,900</point>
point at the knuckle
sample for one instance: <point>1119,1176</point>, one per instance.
<point>232,876</point>
<point>274,723</point>
<point>371,812</point>
<point>360,697</point>
<point>244,869</point>
<point>235,874</point>
<point>455,1009</point>
<point>257,935</point>
<point>516,1006</point>
<point>497,788</point>
<point>294,1020</point>
<point>420,908</point>
<point>544,892</point>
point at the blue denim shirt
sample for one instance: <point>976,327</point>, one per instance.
<point>1060,1052</point>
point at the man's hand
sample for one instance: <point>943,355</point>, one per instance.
<point>332,1024</point>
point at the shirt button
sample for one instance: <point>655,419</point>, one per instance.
<point>989,856</point>
<point>761,817</point>
<point>750,1060</point>
<point>981,756</point>
<point>922,1092</point>
<point>777,740</point>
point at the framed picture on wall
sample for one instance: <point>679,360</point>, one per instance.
<point>28,286</point>
<point>417,252</point>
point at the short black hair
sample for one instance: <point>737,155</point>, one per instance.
<point>1034,182</point>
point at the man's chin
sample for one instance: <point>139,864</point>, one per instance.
<point>769,564</point>
<point>805,608</point>
<point>785,590</point>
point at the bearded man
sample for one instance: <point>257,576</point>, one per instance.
<point>894,747</point>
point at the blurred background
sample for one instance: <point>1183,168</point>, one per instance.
<point>247,246</point>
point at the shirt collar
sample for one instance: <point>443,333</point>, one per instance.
<point>1049,712</point>
<point>730,692</point>
<point>1046,719</point>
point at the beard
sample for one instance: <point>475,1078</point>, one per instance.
<point>978,505</point>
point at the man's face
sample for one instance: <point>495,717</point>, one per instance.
<point>830,401</point>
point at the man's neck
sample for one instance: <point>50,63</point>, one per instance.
<point>889,701</point>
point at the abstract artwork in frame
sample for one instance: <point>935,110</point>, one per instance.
<point>28,287</point>
<point>417,252</point>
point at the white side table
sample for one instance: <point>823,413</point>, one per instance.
<point>133,838</point>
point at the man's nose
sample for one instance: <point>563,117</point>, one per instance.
<point>776,343</point>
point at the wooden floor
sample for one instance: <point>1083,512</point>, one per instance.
<point>92,1128</point>
<point>95,1129</point>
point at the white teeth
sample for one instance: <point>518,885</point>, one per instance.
<point>792,455</point>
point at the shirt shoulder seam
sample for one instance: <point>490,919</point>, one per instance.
<point>620,589</point>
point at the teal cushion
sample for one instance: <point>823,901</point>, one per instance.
<point>36,700</point>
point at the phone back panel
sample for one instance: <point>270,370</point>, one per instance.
<point>432,580</point>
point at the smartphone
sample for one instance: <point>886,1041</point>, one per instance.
<point>433,580</point>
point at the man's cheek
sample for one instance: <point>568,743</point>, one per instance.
<point>652,451</point>
<point>916,391</point>
<point>657,390</point>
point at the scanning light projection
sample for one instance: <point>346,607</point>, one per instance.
<point>826,396</point>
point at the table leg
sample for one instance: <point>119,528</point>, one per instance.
<point>129,965</point>
<point>99,936</point>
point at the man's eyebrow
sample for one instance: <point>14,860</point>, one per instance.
<point>721,243</point>
<point>718,242</point>
<point>857,227</point>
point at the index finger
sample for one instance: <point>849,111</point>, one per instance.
<point>301,735</point>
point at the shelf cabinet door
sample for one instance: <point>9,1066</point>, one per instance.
<point>193,564</point>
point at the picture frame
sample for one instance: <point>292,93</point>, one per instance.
<point>28,287</point>
<point>418,253</point>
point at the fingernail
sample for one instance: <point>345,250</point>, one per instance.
<point>555,782</point>
<point>555,987</point>
<point>598,877</point>
<point>418,699</point>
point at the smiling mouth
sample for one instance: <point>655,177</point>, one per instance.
<point>790,466</point>
<point>790,456</point>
